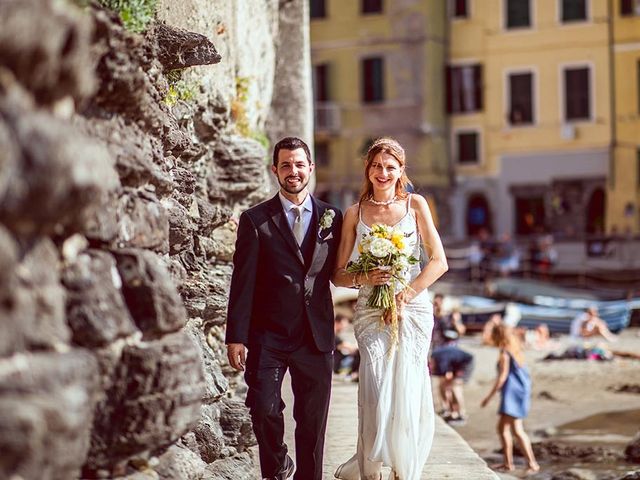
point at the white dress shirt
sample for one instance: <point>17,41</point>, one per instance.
<point>307,209</point>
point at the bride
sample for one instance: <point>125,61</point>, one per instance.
<point>395,406</point>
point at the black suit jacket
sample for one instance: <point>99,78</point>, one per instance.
<point>275,298</point>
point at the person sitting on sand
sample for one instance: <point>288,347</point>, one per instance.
<point>589,325</point>
<point>514,384</point>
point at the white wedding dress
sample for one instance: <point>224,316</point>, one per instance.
<point>395,405</point>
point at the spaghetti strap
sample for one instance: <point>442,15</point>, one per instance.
<point>360,212</point>
<point>409,204</point>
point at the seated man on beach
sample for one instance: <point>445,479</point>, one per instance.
<point>589,325</point>
<point>454,367</point>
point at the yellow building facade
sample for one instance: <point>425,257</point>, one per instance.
<point>378,71</point>
<point>518,116</point>
<point>551,142</point>
<point>624,186</point>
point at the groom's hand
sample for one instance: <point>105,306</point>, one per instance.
<point>237,355</point>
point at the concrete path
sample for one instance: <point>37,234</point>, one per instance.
<point>450,458</point>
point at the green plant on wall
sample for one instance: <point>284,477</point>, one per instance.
<point>179,88</point>
<point>135,14</point>
<point>239,106</point>
<point>240,116</point>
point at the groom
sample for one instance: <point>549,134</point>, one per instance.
<point>280,309</point>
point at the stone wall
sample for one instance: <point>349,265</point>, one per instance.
<point>124,159</point>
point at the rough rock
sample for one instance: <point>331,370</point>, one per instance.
<point>57,174</point>
<point>154,399</point>
<point>231,468</point>
<point>236,425</point>
<point>96,166</point>
<point>179,463</point>
<point>208,435</point>
<point>181,227</point>
<point>239,174</point>
<point>139,158</point>
<point>38,301</point>
<point>142,221</point>
<point>211,119</point>
<point>49,52</point>
<point>178,48</point>
<point>632,450</point>
<point>550,450</point>
<point>151,296</point>
<point>575,474</point>
<point>215,381</point>
<point>625,388</point>
<point>205,294</point>
<point>130,82</point>
<point>631,476</point>
<point>220,246</point>
<point>46,408</point>
<point>96,310</point>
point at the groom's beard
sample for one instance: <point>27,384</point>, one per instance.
<point>291,189</point>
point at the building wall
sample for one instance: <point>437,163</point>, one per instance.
<point>624,185</point>
<point>544,49</point>
<point>409,35</point>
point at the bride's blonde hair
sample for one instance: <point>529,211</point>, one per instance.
<point>391,147</point>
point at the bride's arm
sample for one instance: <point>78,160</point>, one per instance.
<point>437,265</point>
<point>342,278</point>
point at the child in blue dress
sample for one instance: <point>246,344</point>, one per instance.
<point>514,384</point>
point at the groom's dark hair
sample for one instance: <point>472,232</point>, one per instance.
<point>290,143</point>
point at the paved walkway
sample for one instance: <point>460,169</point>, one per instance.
<point>450,458</point>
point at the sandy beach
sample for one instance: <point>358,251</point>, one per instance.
<point>564,391</point>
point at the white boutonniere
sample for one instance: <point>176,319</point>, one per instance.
<point>326,220</point>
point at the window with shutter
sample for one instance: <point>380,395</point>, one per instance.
<point>321,82</point>
<point>629,8</point>
<point>467,147</point>
<point>464,89</point>
<point>521,99</point>
<point>459,8</point>
<point>372,80</point>
<point>518,13</point>
<point>574,11</point>
<point>318,9</point>
<point>371,6</point>
<point>577,94</point>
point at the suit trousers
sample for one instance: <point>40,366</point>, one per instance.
<point>310,371</point>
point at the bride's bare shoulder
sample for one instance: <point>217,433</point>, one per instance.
<point>352,211</point>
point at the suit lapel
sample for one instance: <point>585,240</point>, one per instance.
<point>280,220</point>
<point>316,258</point>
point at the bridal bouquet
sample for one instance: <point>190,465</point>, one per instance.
<point>383,248</point>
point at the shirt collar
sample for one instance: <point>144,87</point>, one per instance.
<point>288,204</point>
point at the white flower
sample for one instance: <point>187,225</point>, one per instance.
<point>327,219</point>
<point>380,247</point>
<point>402,263</point>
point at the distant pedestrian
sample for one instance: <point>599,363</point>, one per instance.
<point>453,366</point>
<point>443,321</point>
<point>514,384</point>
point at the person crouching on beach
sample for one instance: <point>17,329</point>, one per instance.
<point>514,384</point>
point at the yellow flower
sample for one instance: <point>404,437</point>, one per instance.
<point>399,243</point>
<point>360,249</point>
<point>397,238</point>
